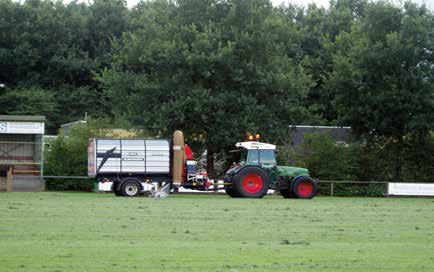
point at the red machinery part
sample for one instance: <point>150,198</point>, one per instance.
<point>305,189</point>
<point>189,155</point>
<point>252,183</point>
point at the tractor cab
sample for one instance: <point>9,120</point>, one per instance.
<point>256,153</point>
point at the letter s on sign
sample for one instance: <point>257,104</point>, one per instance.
<point>3,127</point>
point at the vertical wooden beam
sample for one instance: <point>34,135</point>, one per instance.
<point>41,163</point>
<point>332,189</point>
<point>9,180</point>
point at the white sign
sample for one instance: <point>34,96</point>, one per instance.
<point>107,186</point>
<point>133,156</point>
<point>22,127</point>
<point>411,189</point>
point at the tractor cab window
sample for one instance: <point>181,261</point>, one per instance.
<point>267,156</point>
<point>253,156</point>
<point>250,156</point>
<point>243,156</point>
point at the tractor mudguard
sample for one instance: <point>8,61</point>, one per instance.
<point>229,176</point>
<point>285,182</point>
<point>302,176</point>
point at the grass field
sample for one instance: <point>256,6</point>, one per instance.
<point>53,231</point>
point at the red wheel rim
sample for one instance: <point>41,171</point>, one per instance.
<point>305,188</point>
<point>252,183</point>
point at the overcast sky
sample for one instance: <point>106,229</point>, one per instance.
<point>323,3</point>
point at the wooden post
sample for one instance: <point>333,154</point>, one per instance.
<point>331,189</point>
<point>9,180</point>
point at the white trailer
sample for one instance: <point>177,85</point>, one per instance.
<point>134,166</point>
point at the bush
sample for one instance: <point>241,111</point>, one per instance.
<point>351,189</point>
<point>371,161</point>
<point>327,160</point>
<point>67,154</point>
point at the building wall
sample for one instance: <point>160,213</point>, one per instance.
<point>297,133</point>
<point>2,183</point>
<point>18,147</point>
<point>20,150</point>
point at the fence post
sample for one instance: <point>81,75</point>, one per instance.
<point>9,180</point>
<point>331,189</point>
<point>387,190</point>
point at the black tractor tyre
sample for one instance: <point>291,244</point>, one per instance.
<point>131,187</point>
<point>287,193</point>
<point>304,187</point>
<point>230,191</point>
<point>251,182</point>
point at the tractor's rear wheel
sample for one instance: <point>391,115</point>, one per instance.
<point>229,190</point>
<point>304,187</point>
<point>250,182</point>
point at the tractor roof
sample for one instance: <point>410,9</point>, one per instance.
<point>255,145</point>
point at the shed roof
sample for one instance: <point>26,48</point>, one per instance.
<point>23,118</point>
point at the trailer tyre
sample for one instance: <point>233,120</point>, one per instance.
<point>304,187</point>
<point>131,187</point>
<point>251,182</point>
<point>117,192</point>
<point>115,189</point>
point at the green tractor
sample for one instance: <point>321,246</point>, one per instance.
<point>257,171</point>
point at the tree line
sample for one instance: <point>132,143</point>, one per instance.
<point>218,69</point>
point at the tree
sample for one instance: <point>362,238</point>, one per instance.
<point>25,100</point>
<point>215,76</point>
<point>58,47</point>
<point>384,76</point>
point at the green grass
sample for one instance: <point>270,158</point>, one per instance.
<point>99,232</point>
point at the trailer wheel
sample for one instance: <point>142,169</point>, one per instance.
<point>130,187</point>
<point>115,189</point>
<point>304,187</point>
<point>251,182</point>
<point>117,192</point>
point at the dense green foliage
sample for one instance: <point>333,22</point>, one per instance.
<point>66,155</point>
<point>98,232</point>
<point>362,162</point>
<point>220,68</point>
<point>358,161</point>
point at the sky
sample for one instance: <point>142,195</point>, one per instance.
<point>323,3</point>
